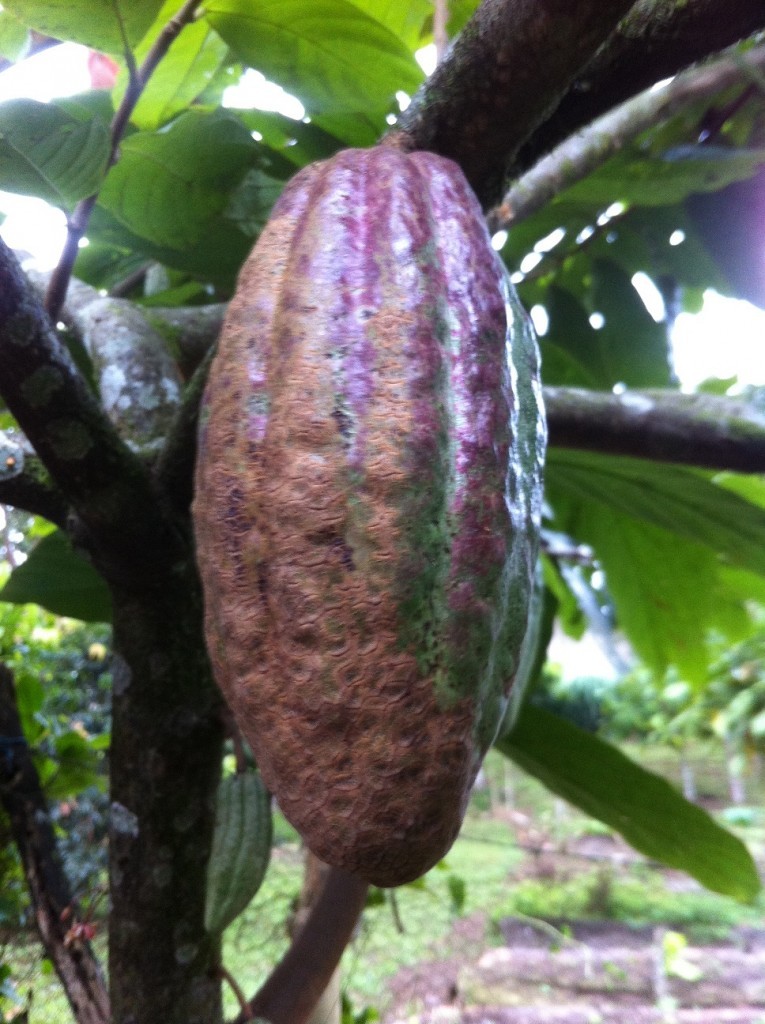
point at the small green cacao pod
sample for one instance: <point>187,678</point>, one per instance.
<point>240,850</point>
<point>367,506</point>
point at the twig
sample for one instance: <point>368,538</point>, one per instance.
<point>296,984</point>
<point>580,154</point>
<point>61,930</point>
<point>396,913</point>
<point>31,490</point>
<point>175,467</point>
<point>657,39</point>
<point>78,222</point>
<point>440,35</point>
<point>697,430</point>
<point>236,988</point>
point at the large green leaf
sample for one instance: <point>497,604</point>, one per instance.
<point>629,348</point>
<point>14,37</point>
<point>294,143</point>
<point>406,19</point>
<point>181,76</point>
<point>103,24</point>
<point>59,579</point>
<point>663,535</point>
<point>216,257</point>
<point>679,500</point>
<point>329,53</point>
<point>651,815</point>
<point>170,186</point>
<point>666,178</point>
<point>55,151</point>
<point>460,12</point>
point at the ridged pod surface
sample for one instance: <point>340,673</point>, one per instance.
<point>367,504</point>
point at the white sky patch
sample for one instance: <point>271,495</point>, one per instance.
<point>651,296</point>
<point>498,240</point>
<point>548,243</point>
<point>254,90</point>
<point>540,319</point>
<point>529,261</point>
<point>677,237</point>
<point>34,227</point>
<point>597,321</point>
<point>427,58</point>
<point>724,340</point>
<point>56,72</point>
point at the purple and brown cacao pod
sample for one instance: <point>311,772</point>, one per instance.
<point>367,504</point>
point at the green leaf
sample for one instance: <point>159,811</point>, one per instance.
<point>460,13</point>
<point>635,349</point>
<point>666,178</point>
<point>329,53</point>
<point>645,809</point>
<point>14,37</point>
<point>59,579</point>
<point>407,20</point>
<point>571,354</point>
<point>354,129</point>
<point>106,25</point>
<point>665,537</point>
<point>77,766</point>
<point>294,142</point>
<point>630,348</point>
<point>181,76</point>
<point>170,186</point>
<point>51,150</point>
<point>216,257</point>
<point>682,501</point>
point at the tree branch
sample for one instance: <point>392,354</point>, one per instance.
<point>656,40</point>
<point>79,447</point>
<point>56,915</point>
<point>139,382</point>
<point>581,153</point>
<point>78,222</point>
<point>505,74</point>
<point>696,430</point>
<point>174,471</point>
<point>190,331</point>
<point>296,984</point>
<point>24,483</point>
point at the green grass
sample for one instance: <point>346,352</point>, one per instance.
<point>495,873</point>
<point>483,857</point>
<point>637,898</point>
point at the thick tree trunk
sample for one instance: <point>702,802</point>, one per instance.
<point>165,763</point>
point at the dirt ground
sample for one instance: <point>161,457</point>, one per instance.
<point>606,973</point>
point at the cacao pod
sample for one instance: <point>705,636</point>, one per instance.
<point>367,504</point>
<point>241,848</point>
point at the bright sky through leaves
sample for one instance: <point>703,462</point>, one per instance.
<point>33,226</point>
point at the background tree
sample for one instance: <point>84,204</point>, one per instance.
<point>171,188</point>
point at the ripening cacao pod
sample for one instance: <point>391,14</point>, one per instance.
<point>367,504</point>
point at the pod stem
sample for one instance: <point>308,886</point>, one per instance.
<point>290,993</point>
